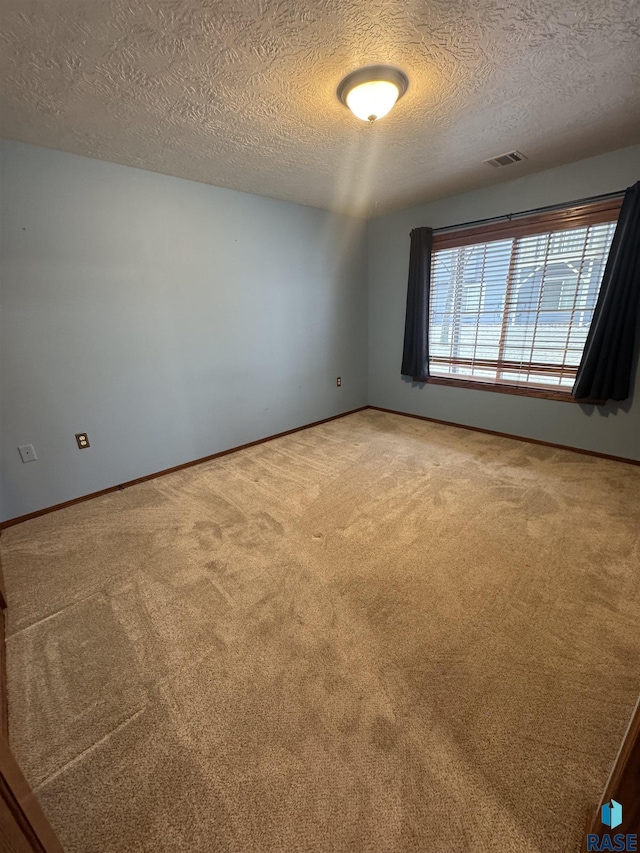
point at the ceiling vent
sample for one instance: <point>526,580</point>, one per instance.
<point>505,159</point>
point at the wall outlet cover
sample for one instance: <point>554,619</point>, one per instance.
<point>83,440</point>
<point>27,453</point>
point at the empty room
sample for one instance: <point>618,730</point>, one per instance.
<point>319,426</point>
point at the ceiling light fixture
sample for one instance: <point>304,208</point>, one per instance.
<point>370,93</point>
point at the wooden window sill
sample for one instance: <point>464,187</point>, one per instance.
<point>518,390</point>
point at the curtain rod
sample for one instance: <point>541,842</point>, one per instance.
<point>548,208</point>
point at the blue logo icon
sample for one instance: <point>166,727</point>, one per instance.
<point>612,814</point>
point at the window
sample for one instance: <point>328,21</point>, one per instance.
<point>511,303</point>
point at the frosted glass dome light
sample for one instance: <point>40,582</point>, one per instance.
<point>370,93</point>
<point>371,101</point>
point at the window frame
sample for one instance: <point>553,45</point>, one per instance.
<point>546,222</point>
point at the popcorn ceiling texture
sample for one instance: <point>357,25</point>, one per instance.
<point>242,94</point>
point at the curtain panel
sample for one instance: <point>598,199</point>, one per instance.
<point>607,360</point>
<point>415,355</point>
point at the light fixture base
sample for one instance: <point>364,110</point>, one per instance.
<point>371,74</point>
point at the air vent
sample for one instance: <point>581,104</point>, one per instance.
<point>505,159</point>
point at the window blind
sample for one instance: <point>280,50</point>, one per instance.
<point>515,308</point>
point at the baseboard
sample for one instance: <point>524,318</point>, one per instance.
<point>24,824</point>
<point>4,708</point>
<point>4,712</point>
<point>510,435</point>
<point>19,519</point>
<point>622,784</point>
<point>3,594</point>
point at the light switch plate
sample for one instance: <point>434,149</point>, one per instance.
<point>27,453</point>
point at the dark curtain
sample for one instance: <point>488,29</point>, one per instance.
<point>605,369</point>
<point>415,356</point>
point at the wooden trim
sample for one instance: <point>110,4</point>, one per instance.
<point>3,594</point>
<point>4,710</point>
<point>4,707</point>
<point>29,822</point>
<point>579,216</point>
<point>23,821</point>
<point>510,435</point>
<point>503,388</point>
<point>19,519</point>
<point>622,784</point>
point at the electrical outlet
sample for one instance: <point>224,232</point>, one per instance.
<point>339,381</point>
<point>83,440</point>
<point>27,453</point>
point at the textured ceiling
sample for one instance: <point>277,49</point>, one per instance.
<point>242,94</point>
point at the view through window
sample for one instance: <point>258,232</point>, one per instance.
<point>516,309</point>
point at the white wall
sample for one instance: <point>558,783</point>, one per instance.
<point>166,318</point>
<point>613,429</point>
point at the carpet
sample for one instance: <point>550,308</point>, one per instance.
<point>377,634</point>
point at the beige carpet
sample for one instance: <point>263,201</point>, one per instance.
<point>374,635</point>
